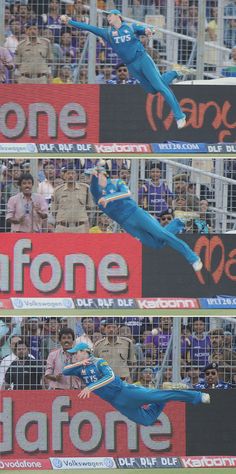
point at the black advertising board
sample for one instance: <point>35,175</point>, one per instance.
<point>128,114</point>
<point>167,274</point>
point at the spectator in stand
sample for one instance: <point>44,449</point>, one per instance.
<point>56,51</point>
<point>118,351</point>
<point>192,376</point>
<point>154,194</point>
<point>166,216</point>
<point>122,76</point>
<point>31,332</point>
<point>23,16</point>
<point>6,64</point>
<point>15,37</point>
<point>7,19</point>
<point>7,361</point>
<point>139,9</point>
<point>12,185</point>
<point>88,327</point>
<point>124,174</point>
<point>47,186</point>
<point>200,343</point>
<point>58,359</point>
<point>24,373</point>
<point>70,204</point>
<point>224,357</point>
<point>229,69</point>
<point>152,51</point>
<point>65,75</point>
<point>50,341</point>
<point>104,225</point>
<point>8,328</point>
<point>212,25</point>
<point>26,210</point>
<point>52,19</point>
<point>211,379</point>
<point>67,47</point>
<point>126,331</point>
<point>137,325</point>
<point>230,24</point>
<point>146,378</point>
<point>33,58</point>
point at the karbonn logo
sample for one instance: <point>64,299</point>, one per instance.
<point>168,303</point>
<point>215,259</point>
<point>123,148</point>
<point>197,115</point>
<point>209,461</point>
<point>51,431</point>
<point>69,119</point>
<point>111,272</point>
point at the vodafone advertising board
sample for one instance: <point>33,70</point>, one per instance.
<point>46,114</point>
<point>57,423</point>
<point>81,265</point>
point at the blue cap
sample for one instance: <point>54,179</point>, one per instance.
<point>114,12</point>
<point>82,346</point>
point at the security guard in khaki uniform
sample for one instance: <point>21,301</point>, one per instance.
<point>118,351</point>
<point>33,57</point>
<point>70,203</point>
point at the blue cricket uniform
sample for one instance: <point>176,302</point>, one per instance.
<point>127,399</point>
<point>125,42</point>
<point>137,222</point>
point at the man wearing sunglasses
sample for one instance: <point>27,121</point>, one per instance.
<point>211,379</point>
<point>122,76</point>
<point>123,38</point>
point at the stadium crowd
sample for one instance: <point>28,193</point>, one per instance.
<point>57,197</point>
<point>38,48</point>
<point>33,351</point>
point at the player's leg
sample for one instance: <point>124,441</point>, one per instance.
<point>141,225</point>
<point>143,416</point>
<point>152,74</point>
<point>138,396</point>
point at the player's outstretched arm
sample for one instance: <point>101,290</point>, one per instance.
<point>102,32</point>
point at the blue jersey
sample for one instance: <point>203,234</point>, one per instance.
<point>124,41</point>
<point>98,376</point>
<point>119,203</point>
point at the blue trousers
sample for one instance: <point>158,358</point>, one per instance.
<point>145,70</point>
<point>130,400</point>
<point>148,230</point>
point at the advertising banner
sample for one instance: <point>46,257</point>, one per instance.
<point>82,265</point>
<point>167,274</point>
<point>58,424</point>
<point>49,113</point>
<point>146,118</point>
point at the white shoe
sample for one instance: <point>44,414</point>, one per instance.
<point>206,398</point>
<point>197,266</point>
<point>181,122</point>
<point>174,386</point>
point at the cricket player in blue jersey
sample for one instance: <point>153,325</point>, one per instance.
<point>113,198</point>
<point>99,378</point>
<point>124,40</point>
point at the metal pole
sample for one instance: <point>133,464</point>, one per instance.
<point>134,177</point>
<point>92,44</point>
<point>201,38</point>
<point>170,26</point>
<point>176,351</point>
<point>2,16</point>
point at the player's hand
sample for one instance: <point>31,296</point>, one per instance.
<point>103,202</point>
<point>149,32</point>
<point>86,362</point>
<point>64,19</point>
<point>85,393</point>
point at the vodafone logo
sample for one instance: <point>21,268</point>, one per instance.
<point>20,464</point>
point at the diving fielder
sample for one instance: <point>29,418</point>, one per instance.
<point>124,40</point>
<point>113,198</point>
<point>128,399</point>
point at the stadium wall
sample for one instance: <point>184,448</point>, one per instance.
<point>33,265</point>
<point>58,424</point>
<point>93,114</point>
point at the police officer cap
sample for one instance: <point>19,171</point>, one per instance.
<point>107,321</point>
<point>166,211</point>
<point>70,166</point>
<point>32,22</point>
<point>212,366</point>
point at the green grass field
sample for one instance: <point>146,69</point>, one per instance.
<point>117,312</point>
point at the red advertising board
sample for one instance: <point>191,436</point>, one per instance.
<point>57,423</point>
<point>49,114</point>
<point>78,265</point>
